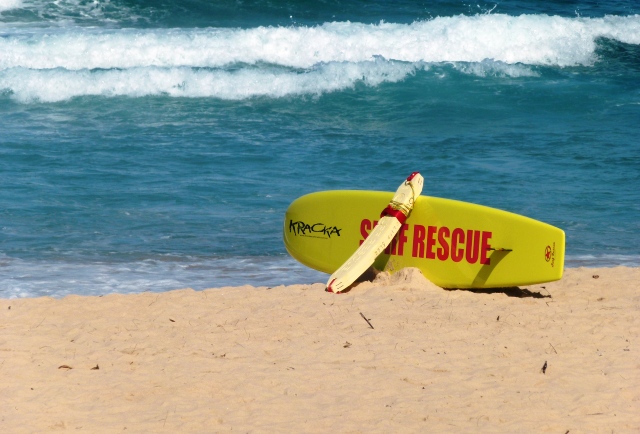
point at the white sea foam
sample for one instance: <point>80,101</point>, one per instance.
<point>56,64</point>
<point>528,39</point>
<point>60,84</point>
<point>58,278</point>
<point>6,5</point>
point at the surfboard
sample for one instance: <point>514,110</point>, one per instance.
<point>455,244</point>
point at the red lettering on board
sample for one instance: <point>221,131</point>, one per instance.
<point>473,244</point>
<point>433,242</point>
<point>443,250</point>
<point>457,237</point>
<point>418,241</point>
<point>402,238</point>
<point>365,228</point>
<point>485,248</point>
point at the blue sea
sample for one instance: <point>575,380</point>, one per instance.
<point>155,145</point>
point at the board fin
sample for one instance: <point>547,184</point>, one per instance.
<point>393,216</point>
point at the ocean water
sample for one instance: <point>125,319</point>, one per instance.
<point>155,145</point>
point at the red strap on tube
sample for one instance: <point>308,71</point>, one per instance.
<point>389,211</point>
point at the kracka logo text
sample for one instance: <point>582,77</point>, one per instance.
<point>316,229</point>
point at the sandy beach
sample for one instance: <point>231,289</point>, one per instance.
<point>398,354</point>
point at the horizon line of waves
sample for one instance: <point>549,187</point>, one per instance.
<point>26,85</point>
<point>59,278</point>
<point>538,40</point>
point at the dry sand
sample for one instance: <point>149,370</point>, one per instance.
<point>558,357</point>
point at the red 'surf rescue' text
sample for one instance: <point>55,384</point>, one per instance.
<point>433,242</point>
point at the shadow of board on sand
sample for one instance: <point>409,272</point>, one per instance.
<point>513,291</point>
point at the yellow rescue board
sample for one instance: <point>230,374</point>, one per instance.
<point>455,244</point>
